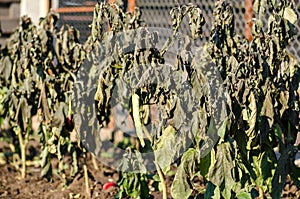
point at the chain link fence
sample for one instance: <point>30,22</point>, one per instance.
<point>155,13</point>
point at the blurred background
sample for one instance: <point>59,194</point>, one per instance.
<point>155,13</point>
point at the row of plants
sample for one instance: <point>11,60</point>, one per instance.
<point>222,107</point>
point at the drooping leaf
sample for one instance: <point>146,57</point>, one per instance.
<point>250,116</point>
<point>260,7</point>
<point>290,15</point>
<point>165,149</point>
<point>243,195</point>
<point>220,172</point>
<point>181,187</point>
<point>281,172</point>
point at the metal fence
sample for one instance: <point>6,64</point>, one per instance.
<point>155,13</point>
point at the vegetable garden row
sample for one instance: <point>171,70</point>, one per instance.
<point>221,108</point>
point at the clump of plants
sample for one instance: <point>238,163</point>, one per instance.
<point>222,107</point>
<point>257,82</point>
<point>38,66</point>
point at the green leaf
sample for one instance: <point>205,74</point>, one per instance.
<point>265,169</point>
<point>134,185</point>
<point>204,165</point>
<point>243,195</point>
<point>45,163</point>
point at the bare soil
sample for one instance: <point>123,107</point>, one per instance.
<point>33,186</point>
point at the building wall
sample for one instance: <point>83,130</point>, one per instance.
<point>12,10</point>
<point>9,18</point>
<point>35,9</point>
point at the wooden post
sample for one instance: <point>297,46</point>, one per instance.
<point>131,5</point>
<point>248,18</point>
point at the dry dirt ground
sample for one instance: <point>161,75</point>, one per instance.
<point>11,186</point>
<point>33,186</point>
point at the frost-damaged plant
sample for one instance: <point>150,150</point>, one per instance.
<point>133,72</point>
<point>37,67</point>
<point>261,79</point>
<point>136,184</point>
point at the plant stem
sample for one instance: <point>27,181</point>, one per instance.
<point>45,105</point>
<point>162,180</point>
<point>23,154</point>
<point>95,163</point>
<point>261,193</point>
<point>86,176</point>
